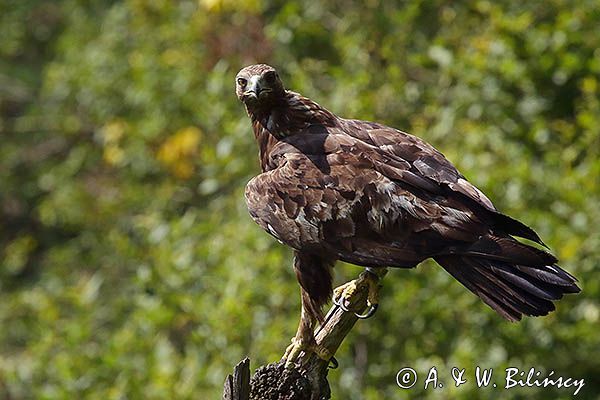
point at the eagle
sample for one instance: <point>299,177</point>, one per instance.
<point>361,192</point>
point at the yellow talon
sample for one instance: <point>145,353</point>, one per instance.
<point>367,280</point>
<point>294,350</point>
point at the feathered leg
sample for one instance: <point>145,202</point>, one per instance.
<point>304,339</point>
<point>314,274</point>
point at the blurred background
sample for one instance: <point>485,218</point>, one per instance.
<point>129,267</point>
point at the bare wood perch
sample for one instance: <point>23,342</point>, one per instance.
<point>308,379</point>
<point>237,386</point>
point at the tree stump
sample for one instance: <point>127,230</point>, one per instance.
<point>308,379</point>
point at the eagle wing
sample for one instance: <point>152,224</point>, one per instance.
<point>426,167</point>
<point>364,202</point>
<point>414,162</point>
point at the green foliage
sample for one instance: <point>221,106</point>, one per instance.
<point>129,267</point>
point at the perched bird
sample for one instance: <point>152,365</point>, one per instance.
<point>342,189</point>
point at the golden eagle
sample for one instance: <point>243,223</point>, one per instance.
<point>342,189</point>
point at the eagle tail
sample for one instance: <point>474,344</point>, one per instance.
<point>515,279</point>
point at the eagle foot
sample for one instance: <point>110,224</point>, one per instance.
<point>297,347</point>
<point>368,279</point>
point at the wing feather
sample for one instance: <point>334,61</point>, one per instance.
<point>429,170</point>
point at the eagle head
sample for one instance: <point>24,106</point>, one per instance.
<point>258,86</point>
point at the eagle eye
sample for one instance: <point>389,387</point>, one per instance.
<point>242,82</point>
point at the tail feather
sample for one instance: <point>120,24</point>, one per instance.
<point>508,285</point>
<point>549,274</point>
<point>539,289</point>
<point>507,295</point>
<point>502,298</point>
<point>510,250</point>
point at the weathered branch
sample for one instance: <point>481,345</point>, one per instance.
<point>237,386</point>
<point>308,380</point>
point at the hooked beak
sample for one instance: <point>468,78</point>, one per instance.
<point>255,88</point>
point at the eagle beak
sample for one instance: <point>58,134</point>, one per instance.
<point>254,87</point>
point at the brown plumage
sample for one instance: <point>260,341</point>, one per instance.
<point>361,192</point>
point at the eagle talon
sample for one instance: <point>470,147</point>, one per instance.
<point>341,294</point>
<point>339,301</point>
<point>368,280</point>
<point>368,314</point>
<point>334,363</point>
<point>293,352</point>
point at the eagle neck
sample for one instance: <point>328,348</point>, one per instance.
<point>266,142</point>
<point>290,115</point>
